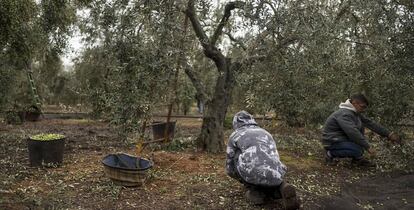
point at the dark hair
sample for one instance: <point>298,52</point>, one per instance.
<point>360,97</point>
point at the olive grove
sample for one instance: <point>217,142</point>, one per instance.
<point>296,59</point>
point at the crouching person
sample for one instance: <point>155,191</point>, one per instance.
<point>253,160</point>
<point>343,133</point>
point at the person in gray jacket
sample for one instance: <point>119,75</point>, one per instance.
<point>252,159</point>
<point>343,133</point>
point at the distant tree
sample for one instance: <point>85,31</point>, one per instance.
<point>32,34</point>
<point>131,63</point>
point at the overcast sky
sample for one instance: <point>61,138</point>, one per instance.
<point>75,42</point>
<point>74,49</point>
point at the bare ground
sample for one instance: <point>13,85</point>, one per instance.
<point>181,178</point>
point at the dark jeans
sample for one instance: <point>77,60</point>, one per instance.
<point>272,192</point>
<point>345,149</point>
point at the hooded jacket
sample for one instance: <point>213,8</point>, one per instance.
<point>347,125</point>
<point>252,155</point>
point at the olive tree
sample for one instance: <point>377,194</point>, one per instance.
<point>331,49</point>
<point>130,63</point>
<point>32,34</point>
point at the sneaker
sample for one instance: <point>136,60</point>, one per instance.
<point>363,162</point>
<point>329,160</point>
<point>290,199</point>
<point>255,197</point>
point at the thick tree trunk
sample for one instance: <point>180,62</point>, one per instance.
<point>211,138</point>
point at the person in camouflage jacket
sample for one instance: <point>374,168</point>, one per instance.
<point>253,159</point>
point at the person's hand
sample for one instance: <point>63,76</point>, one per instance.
<point>372,151</point>
<point>394,138</point>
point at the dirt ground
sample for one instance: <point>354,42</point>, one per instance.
<point>182,178</point>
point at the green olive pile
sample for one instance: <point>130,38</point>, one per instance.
<point>47,137</point>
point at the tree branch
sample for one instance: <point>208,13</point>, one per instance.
<point>227,12</point>
<point>342,10</point>
<point>200,88</point>
<point>232,38</point>
<point>210,50</point>
<point>355,42</point>
<point>271,6</point>
<point>287,41</point>
<point>258,56</point>
<point>201,35</point>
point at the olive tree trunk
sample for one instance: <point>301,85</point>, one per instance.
<point>211,138</point>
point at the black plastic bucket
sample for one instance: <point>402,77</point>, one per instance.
<point>32,113</point>
<point>32,116</point>
<point>47,152</point>
<point>158,129</point>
